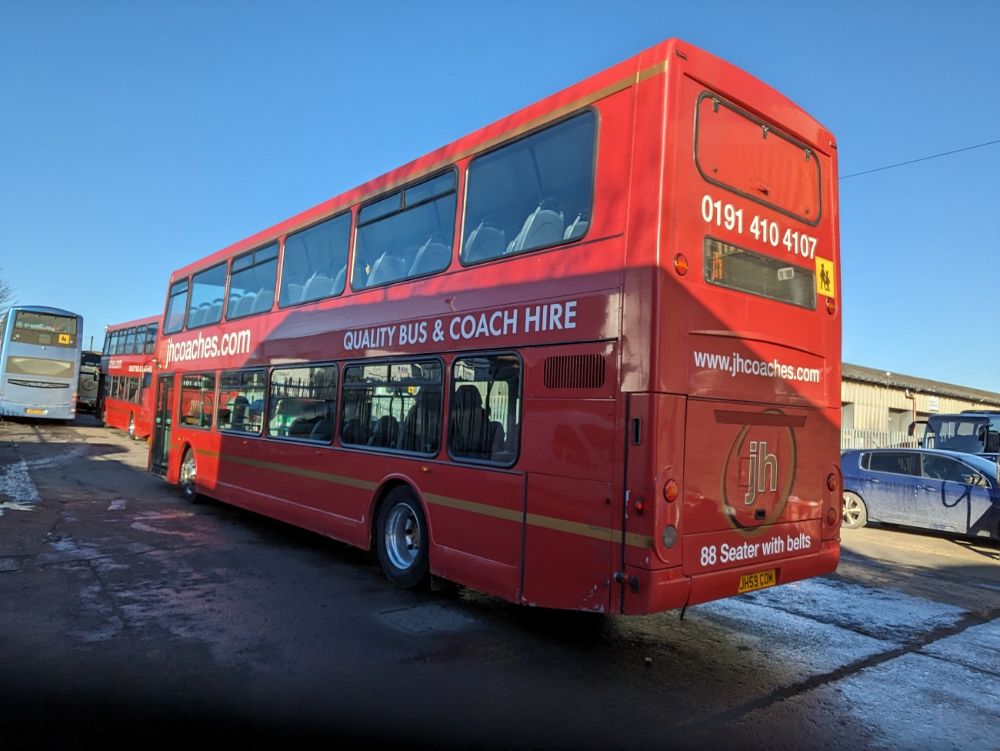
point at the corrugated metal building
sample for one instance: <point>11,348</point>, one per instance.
<point>878,407</point>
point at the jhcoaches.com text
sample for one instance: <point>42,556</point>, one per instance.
<point>736,364</point>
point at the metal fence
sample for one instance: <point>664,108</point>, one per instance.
<point>876,439</point>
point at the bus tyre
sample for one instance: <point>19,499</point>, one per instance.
<point>402,539</point>
<point>189,471</point>
<point>855,511</point>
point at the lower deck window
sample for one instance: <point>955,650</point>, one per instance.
<point>197,399</point>
<point>484,409</point>
<point>302,403</point>
<point>241,401</point>
<point>393,406</point>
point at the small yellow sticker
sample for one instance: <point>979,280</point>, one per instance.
<point>64,338</point>
<point>825,284</point>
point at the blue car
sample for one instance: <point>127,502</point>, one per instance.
<point>933,489</point>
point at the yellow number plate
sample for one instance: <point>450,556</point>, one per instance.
<point>759,580</point>
<point>30,411</point>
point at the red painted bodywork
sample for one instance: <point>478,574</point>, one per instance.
<point>580,520</point>
<point>117,412</point>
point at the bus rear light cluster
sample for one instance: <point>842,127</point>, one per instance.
<point>831,516</point>
<point>669,537</point>
<point>681,264</point>
<point>671,491</point>
<point>831,305</point>
<point>831,482</point>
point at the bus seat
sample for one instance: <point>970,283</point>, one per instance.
<point>244,305</point>
<point>387,269</point>
<point>339,280</point>
<point>215,312</point>
<point>422,426</point>
<point>322,430</point>
<point>542,227</point>
<point>576,229</point>
<point>264,301</point>
<point>354,433</point>
<point>318,286</point>
<point>293,293</point>
<point>467,429</point>
<point>300,426</point>
<point>385,433</point>
<point>485,241</point>
<point>433,255</point>
<point>194,318</point>
<point>498,439</point>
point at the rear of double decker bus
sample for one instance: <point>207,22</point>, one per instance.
<point>39,362</point>
<point>732,476</point>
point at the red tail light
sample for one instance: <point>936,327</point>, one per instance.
<point>671,491</point>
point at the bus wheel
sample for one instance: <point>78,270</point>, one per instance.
<point>189,470</point>
<point>402,539</point>
<point>855,511</point>
<point>131,427</point>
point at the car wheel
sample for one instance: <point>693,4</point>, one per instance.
<point>402,539</point>
<point>189,472</point>
<point>855,512</point>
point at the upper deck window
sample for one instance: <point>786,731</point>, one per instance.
<point>44,328</point>
<point>406,234</point>
<point>251,282</point>
<point>208,287</point>
<point>314,264</point>
<point>533,193</point>
<point>176,307</point>
<point>742,153</point>
<point>151,332</point>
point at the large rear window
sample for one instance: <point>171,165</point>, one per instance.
<point>747,271</point>
<point>748,156</point>
<point>44,328</point>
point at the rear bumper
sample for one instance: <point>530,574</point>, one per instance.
<point>669,589</point>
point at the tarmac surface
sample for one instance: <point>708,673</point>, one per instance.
<point>128,615</point>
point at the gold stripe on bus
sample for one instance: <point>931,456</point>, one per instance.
<point>483,509</point>
<point>311,474</point>
<point>508,135</point>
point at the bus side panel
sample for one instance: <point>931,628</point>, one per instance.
<point>475,517</point>
<point>569,554</point>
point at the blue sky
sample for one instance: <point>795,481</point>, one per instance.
<point>137,137</point>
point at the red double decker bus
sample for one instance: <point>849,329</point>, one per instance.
<point>587,357</point>
<point>126,375</point>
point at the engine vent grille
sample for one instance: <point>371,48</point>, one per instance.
<point>574,372</point>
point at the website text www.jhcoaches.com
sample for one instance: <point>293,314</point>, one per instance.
<point>234,343</point>
<point>735,364</point>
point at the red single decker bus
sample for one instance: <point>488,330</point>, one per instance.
<point>587,357</point>
<point>127,372</point>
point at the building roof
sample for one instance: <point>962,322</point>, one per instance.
<point>921,385</point>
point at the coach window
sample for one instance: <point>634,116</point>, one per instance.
<point>534,193</point>
<point>151,331</point>
<point>176,307</point>
<point>406,234</point>
<point>241,401</point>
<point>197,399</point>
<point>126,342</point>
<point>314,264</point>
<point>393,405</point>
<point>251,282</point>
<point>208,288</point>
<point>484,409</point>
<point>302,403</point>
